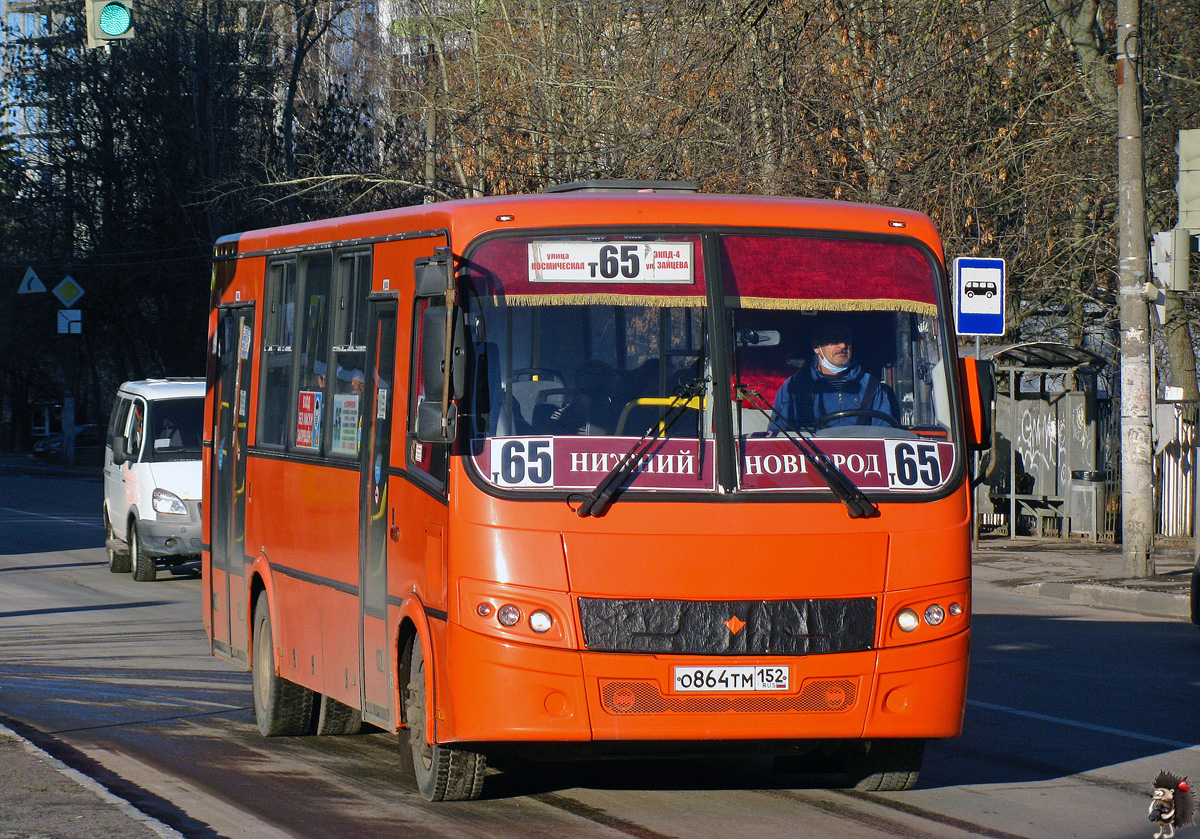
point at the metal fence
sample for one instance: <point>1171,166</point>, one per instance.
<point>1174,467</point>
<point>1176,450</point>
<point>1108,438</point>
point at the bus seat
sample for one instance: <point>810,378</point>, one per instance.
<point>547,401</point>
<point>528,385</point>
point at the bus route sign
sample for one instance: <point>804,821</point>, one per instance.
<point>979,296</point>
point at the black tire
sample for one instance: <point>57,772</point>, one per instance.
<point>336,718</point>
<point>118,563</point>
<point>441,773</point>
<point>145,567</point>
<point>281,707</point>
<point>885,765</point>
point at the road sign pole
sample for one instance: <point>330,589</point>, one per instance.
<point>1137,387</point>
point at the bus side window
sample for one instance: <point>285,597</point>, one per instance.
<point>316,277</point>
<point>279,325</point>
<point>348,380</point>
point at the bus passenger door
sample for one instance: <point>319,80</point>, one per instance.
<point>227,504</point>
<point>374,526</point>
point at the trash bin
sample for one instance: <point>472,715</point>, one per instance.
<point>1085,503</point>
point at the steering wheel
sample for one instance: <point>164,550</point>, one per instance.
<point>825,420</point>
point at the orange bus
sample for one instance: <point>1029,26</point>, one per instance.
<point>510,475</point>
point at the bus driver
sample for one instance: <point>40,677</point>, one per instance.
<point>833,390</point>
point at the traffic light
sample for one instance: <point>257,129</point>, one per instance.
<point>1188,185</point>
<point>108,20</point>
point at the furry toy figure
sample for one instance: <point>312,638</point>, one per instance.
<point>1172,805</point>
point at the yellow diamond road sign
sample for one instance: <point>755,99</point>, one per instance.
<point>68,291</point>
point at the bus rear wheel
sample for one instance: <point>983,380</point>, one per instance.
<point>885,765</point>
<point>336,718</point>
<point>281,707</point>
<point>441,773</point>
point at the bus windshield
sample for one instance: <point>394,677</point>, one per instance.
<point>586,343</point>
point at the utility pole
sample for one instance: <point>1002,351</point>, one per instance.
<point>1137,471</point>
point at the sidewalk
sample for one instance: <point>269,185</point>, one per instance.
<point>42,797</point>
<point>1089,574</point>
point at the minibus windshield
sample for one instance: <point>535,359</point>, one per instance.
<point>583,344</point>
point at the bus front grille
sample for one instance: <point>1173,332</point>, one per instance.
<point>712,627</point>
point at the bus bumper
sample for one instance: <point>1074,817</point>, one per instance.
<point>518,693</point>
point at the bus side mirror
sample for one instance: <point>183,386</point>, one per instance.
<point>433,354</point>
<point>430,428</point>
<point>431,274</point>
<point>977,383</point>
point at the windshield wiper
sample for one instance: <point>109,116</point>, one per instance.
<point>596,502</point>
<point>858,506</point>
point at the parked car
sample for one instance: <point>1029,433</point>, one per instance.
<point>153,476</point>
<point>89,446</point>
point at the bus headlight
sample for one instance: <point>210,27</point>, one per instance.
<point>540,621</point>
<point>509,615</point>
<point>928,614</point>
<point>517,613</point>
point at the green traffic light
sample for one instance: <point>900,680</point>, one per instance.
<point>115,19</point>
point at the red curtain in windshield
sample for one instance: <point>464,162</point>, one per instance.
<point>776,272</point>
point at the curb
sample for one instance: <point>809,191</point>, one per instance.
<point>1156,604</point>
<point>92,786</point>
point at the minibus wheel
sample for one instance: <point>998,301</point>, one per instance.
<point>118,563</point>
<point>441,773</point>
<point>145,568</point>
<point>884,765</point>
<point>281,707</point>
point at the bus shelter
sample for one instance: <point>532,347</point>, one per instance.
<point>1044,475</point>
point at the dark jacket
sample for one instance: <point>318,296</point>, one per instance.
<point>807,395</point>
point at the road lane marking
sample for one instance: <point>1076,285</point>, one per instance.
<point>80,522</point>
<point>1100,729</point>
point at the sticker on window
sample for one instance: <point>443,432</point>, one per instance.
<point>611,262</point>
<point>308,420</point>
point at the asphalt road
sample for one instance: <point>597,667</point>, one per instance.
<point>1072,711</point>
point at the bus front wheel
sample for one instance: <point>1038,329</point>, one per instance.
<point>281,707</point>
<point>441,773</point>
<point>885,765</point>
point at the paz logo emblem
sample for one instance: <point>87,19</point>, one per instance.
<point>623,699</point>
<point>735,624</point>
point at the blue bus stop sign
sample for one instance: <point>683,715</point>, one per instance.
<point>979,296</point>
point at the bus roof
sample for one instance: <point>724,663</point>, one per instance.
<point>467,218</point>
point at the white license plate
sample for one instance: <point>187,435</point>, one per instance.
<point>722,679</point>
